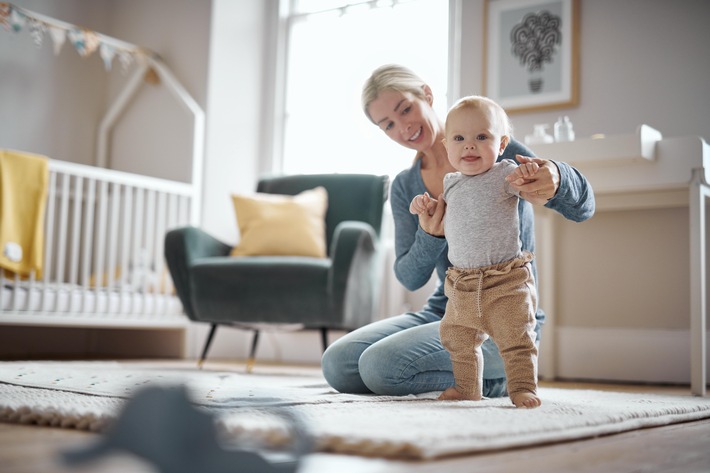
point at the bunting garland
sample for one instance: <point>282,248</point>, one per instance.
<point>85,41</point>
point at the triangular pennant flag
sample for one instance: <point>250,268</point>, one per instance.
<point>17,20</point>
<point>58,36</point>
<point>85,41</point>
<point>91,42</point>
<point>125,58</point>
<point>107,53</point>
<point>5,10</point>
<point>37,30</point>
<point>76,38</point>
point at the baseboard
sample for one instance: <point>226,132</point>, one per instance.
<point>623,354</point>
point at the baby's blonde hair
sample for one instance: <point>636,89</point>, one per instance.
<point>502,122</point>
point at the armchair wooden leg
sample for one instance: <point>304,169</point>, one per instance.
<point>208,342</point>
<point>252,352</point>
<point>324,337</point>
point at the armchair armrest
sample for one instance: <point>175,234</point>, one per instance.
<point>352,252</point>
<point>182,247</point>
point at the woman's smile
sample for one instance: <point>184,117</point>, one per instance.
<point>416,135</point>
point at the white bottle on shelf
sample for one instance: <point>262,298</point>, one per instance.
<point>539,135</point>
<point>563,129</point>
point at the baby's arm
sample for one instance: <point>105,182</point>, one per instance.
<point>422,203</point>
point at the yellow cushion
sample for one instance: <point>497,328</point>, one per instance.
<point>271,224</point>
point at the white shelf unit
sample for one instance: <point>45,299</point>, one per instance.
<point>637,171</point>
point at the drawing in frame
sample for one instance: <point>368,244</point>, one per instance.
<point>531,50</point>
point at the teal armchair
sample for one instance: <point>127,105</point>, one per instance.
<point>339,292</point>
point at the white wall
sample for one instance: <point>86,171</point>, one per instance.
<point>234,110</point>
<point>154,136</point>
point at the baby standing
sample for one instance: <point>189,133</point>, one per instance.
<point>490,287</point>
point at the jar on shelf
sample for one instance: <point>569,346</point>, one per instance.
<point>539,135</point>
<point>563,130</point>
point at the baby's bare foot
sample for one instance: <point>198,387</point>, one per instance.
<point>453,394</point>
<point>526,400</point>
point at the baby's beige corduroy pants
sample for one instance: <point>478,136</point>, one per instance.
<point>499,301</point>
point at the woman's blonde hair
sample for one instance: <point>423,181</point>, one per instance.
<point>391,77</point>
<point>480,102</point>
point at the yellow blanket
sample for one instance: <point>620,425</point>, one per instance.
<point>23,199</point>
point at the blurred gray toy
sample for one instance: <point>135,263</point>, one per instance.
<point>161,426</point>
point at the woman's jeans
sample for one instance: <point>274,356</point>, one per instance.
<point>403,355</point>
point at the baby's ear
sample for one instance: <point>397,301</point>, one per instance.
<point>503,144</point>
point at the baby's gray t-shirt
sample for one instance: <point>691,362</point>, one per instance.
<point>481,221</point>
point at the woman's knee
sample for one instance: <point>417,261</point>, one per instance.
<point>378,372</point>
<point>371,370</point>
<point>329,360</point>
<point>339,364</point>
<point>332,365</point>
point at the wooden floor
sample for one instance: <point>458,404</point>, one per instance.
<point>675,448</point>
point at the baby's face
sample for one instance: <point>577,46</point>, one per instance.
<point>472,142</point>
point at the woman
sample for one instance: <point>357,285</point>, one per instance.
<point>403,355</point>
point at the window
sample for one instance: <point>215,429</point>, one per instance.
<point>332,48</point>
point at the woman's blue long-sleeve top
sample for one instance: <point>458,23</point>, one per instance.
<point>418,253</point>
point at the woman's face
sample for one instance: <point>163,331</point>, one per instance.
<point>406,119</point>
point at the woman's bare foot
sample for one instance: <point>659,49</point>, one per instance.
<point>453,394</point>
<point>526,400</point>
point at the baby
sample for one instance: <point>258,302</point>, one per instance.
<point>490,286</point>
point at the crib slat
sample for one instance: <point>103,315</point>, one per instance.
<point>88,231</point>
<point>173,218</point>
<point>138,253</point>
<point>157,260</point>
<point>100,243</point>
<point>126,289</point>
<point>48,240</point>
<point>15,303</point>
<point>148,238</point>
<point>75,234</point>
<point>112,224</point>
<point>63,197</point>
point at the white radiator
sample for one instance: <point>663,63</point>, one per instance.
<point>103,255</point>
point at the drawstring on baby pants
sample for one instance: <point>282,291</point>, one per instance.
<point>475,273</point>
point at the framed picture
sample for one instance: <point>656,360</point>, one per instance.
<point>531,50</point>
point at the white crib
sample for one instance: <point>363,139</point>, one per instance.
<point>103,256</point>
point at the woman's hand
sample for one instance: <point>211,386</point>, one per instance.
<point>431,213</point>
<point>538,187</point>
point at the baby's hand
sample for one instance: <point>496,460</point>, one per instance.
<point>422,203</point>
<point>526,170</point>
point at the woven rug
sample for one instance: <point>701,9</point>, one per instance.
<point>90,395</point>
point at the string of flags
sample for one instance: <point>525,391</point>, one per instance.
<point>85,41</point>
